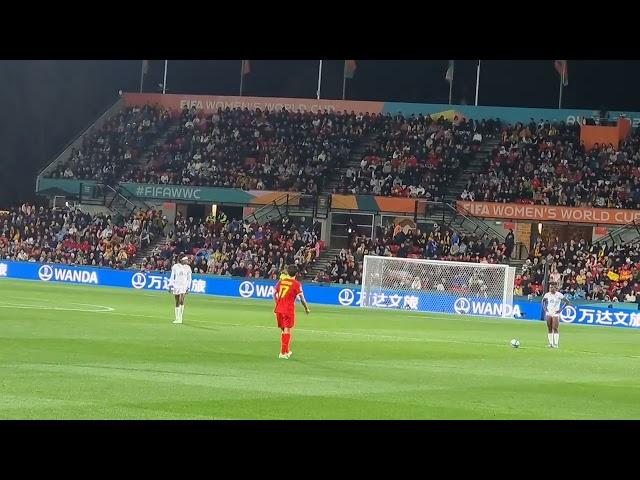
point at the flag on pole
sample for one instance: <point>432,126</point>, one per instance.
<point>561,68</point>
<point>350,68</point>
<point>449,75</point>
<point>246,67</point>
<point>143,72</point>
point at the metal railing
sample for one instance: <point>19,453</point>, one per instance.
<point>278,205</point>
<point>465,219</point>
<point>118,200</point>
<point>139,202</point>
<point>616,236</point>
<point>455,217</point>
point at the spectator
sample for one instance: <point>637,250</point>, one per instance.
<point>547,164</point>
<point>412,157</point>
<point>322,277</point>
<point>509,243</point>
<point>70,236</point>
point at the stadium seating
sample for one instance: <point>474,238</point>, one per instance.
<point>38,234</point>
<point>439,243</point>
<point>584,270</point>
<point>546,163</point>
<point>414,157</point>
<point>270,150</point>
<point>115,146</point>
<point>542,163</point>
<point>277,150</point>
<point>239,249</point>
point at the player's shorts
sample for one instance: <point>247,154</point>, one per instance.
<point>285,320</point>
<point>179,290</point>
<point>553,315</point>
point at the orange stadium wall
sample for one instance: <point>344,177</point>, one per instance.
<point>624,126</point>
<point>592,134</point>
<point>211,103</point>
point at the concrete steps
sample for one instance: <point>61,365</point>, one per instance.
<point>322,262</point>
<point>161,241</point>
<point>355,157</point>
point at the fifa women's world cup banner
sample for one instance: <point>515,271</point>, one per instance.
<point>209,104</point>
<point>336,295</point>
<point>540,213</point>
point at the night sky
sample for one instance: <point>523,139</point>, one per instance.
<point>45,104</point>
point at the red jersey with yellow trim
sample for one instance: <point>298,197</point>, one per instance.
<point>287,290</point>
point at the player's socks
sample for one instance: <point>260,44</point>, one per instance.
<point>177,313</point>
<point>181,311</point>
<point>556,339</point>
<point>284,347</point>
<point>550,337</point>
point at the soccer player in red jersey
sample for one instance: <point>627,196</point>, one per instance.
<point>285,294</point>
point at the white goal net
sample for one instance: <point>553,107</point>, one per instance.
<point>438,286</point>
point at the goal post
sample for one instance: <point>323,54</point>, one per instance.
<point>438,286</point>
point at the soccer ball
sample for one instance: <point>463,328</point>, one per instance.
<point>515,343</point>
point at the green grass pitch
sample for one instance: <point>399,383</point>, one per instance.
<point>75,352</point>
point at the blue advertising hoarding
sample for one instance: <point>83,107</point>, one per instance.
<point>337,295</point>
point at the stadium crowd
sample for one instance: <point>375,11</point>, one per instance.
<point>539,162</point>
<point>117,145</point>
<point>546,163</point>
<point>239,249</point>
<point>440,243</point>
<point>415,157</point>
<point>277,150</point>
<point>584,270</point>
<point>69,236</point>
<point>253,149</point>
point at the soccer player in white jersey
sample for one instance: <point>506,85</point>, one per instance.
<point>552,304</point>
<point>179,285</point>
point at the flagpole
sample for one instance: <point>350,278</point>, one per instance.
<point>477,83</point>
<point>561,85</point>
<point>164,82</point>
<point>344,80</point>
<point>241,76</point>
<point>319,79</point>
<point>141,75</point>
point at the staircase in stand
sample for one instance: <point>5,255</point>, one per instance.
<point>355,157</point>
<point>159,141</point>
<point>159,242</point>
<point>121,202</point>
<point>476,165</point>
<point>322,262</point>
